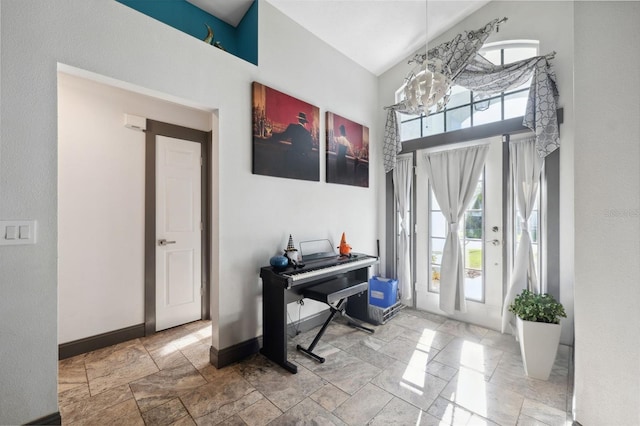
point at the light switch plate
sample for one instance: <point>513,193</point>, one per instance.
<point>26,232</point>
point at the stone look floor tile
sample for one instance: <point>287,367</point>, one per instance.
<point>363,405</point>
<point>409,351</point>
<point>74,395</point>
<point>163,386</point>
<point>260,413</point>
<point>415,323</point>
<point>454,373</point>
<point>469,354</point>
<point>124,413</point>
<point>510,375</point>
<point>543,413</point>
<point>346,372</point>
<point>278,385</point>
<point>430,338</point>
<point>449,412</point>
<point>166,414</point>
<point>198,354</point>
<point>466,331</point>
<point>504,342</point>
<point>230,410</point>
<point>389,331</point>
<point>398,413</point>
<point>78,411</point>
<point>307,412</point>
<point>71,373</point>
<point>212,396</point>
<point>122,364</point>
<point>329,397</point>
<point>470,390</point>
<point>368,350</point>
<point>168,356</point>
<point>411,384</point>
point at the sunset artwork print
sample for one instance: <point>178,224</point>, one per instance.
<point>347,151</point>
<point>286,134</point>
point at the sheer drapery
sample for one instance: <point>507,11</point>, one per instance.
<point>454,175</point>
<point>402,178</point>
<point>526,165</point>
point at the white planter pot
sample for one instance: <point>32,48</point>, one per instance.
<point>538,345</point>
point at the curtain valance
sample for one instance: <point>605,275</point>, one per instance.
<point>472,71</point>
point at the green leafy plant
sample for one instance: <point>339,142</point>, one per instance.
<point>536,307</point>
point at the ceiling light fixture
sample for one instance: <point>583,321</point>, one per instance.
<point>428,83</point>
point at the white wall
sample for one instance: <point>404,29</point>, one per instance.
<point>607,223</point>
<point>552,20</point>
<point>255,213</point>
<point>101,175</point>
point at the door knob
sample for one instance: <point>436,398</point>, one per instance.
<point>494,242</point>
<point>164,242</point>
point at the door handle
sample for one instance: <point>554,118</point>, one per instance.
<point>164,242</point>
<point>494,242</point>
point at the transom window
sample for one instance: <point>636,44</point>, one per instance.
<point>465,109</point>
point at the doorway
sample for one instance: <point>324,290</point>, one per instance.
<point>177,225</point>
<point>481,237</point>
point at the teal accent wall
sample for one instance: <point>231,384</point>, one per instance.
<point>240,41</point>
<point>247,32</point>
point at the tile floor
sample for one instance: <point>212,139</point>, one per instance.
<point>418,368</point>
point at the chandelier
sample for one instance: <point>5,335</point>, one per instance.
<point>427,84</point>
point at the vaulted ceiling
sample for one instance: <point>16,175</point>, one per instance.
<point>376,34</point>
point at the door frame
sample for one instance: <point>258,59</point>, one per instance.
<point>550,199</point>
<point>479,312</point>
<point>158,128</point>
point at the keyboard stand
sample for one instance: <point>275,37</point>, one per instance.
<point>335,294</point>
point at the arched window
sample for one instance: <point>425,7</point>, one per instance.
<point>465,109</point>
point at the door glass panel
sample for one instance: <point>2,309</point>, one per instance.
<point>438,226</point>
<point>437,246</point>
<point>471,237</point>
<point>481,261</point>
<point>434,286</point>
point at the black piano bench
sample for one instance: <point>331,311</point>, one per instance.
<point>334,293</point>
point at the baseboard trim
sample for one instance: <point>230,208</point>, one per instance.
<point>51,419</point>
<point>227,356</point>
<point>88,344</point>
<point>308,323</point>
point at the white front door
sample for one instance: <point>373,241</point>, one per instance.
<point>178,232</point>
<point>481,238</point>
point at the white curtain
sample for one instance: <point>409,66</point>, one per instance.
<point>402,176</point>
<point>526,165</point>
<point>454,176</point>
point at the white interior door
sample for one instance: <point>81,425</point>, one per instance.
<point>178,232</point>
<point>481,237</point>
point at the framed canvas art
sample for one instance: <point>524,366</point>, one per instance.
<point>285,135</point>
<point>347,151</point>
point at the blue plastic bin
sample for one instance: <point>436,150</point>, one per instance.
<point>383,292</point>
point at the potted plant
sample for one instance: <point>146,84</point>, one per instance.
<point>538,318</point>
